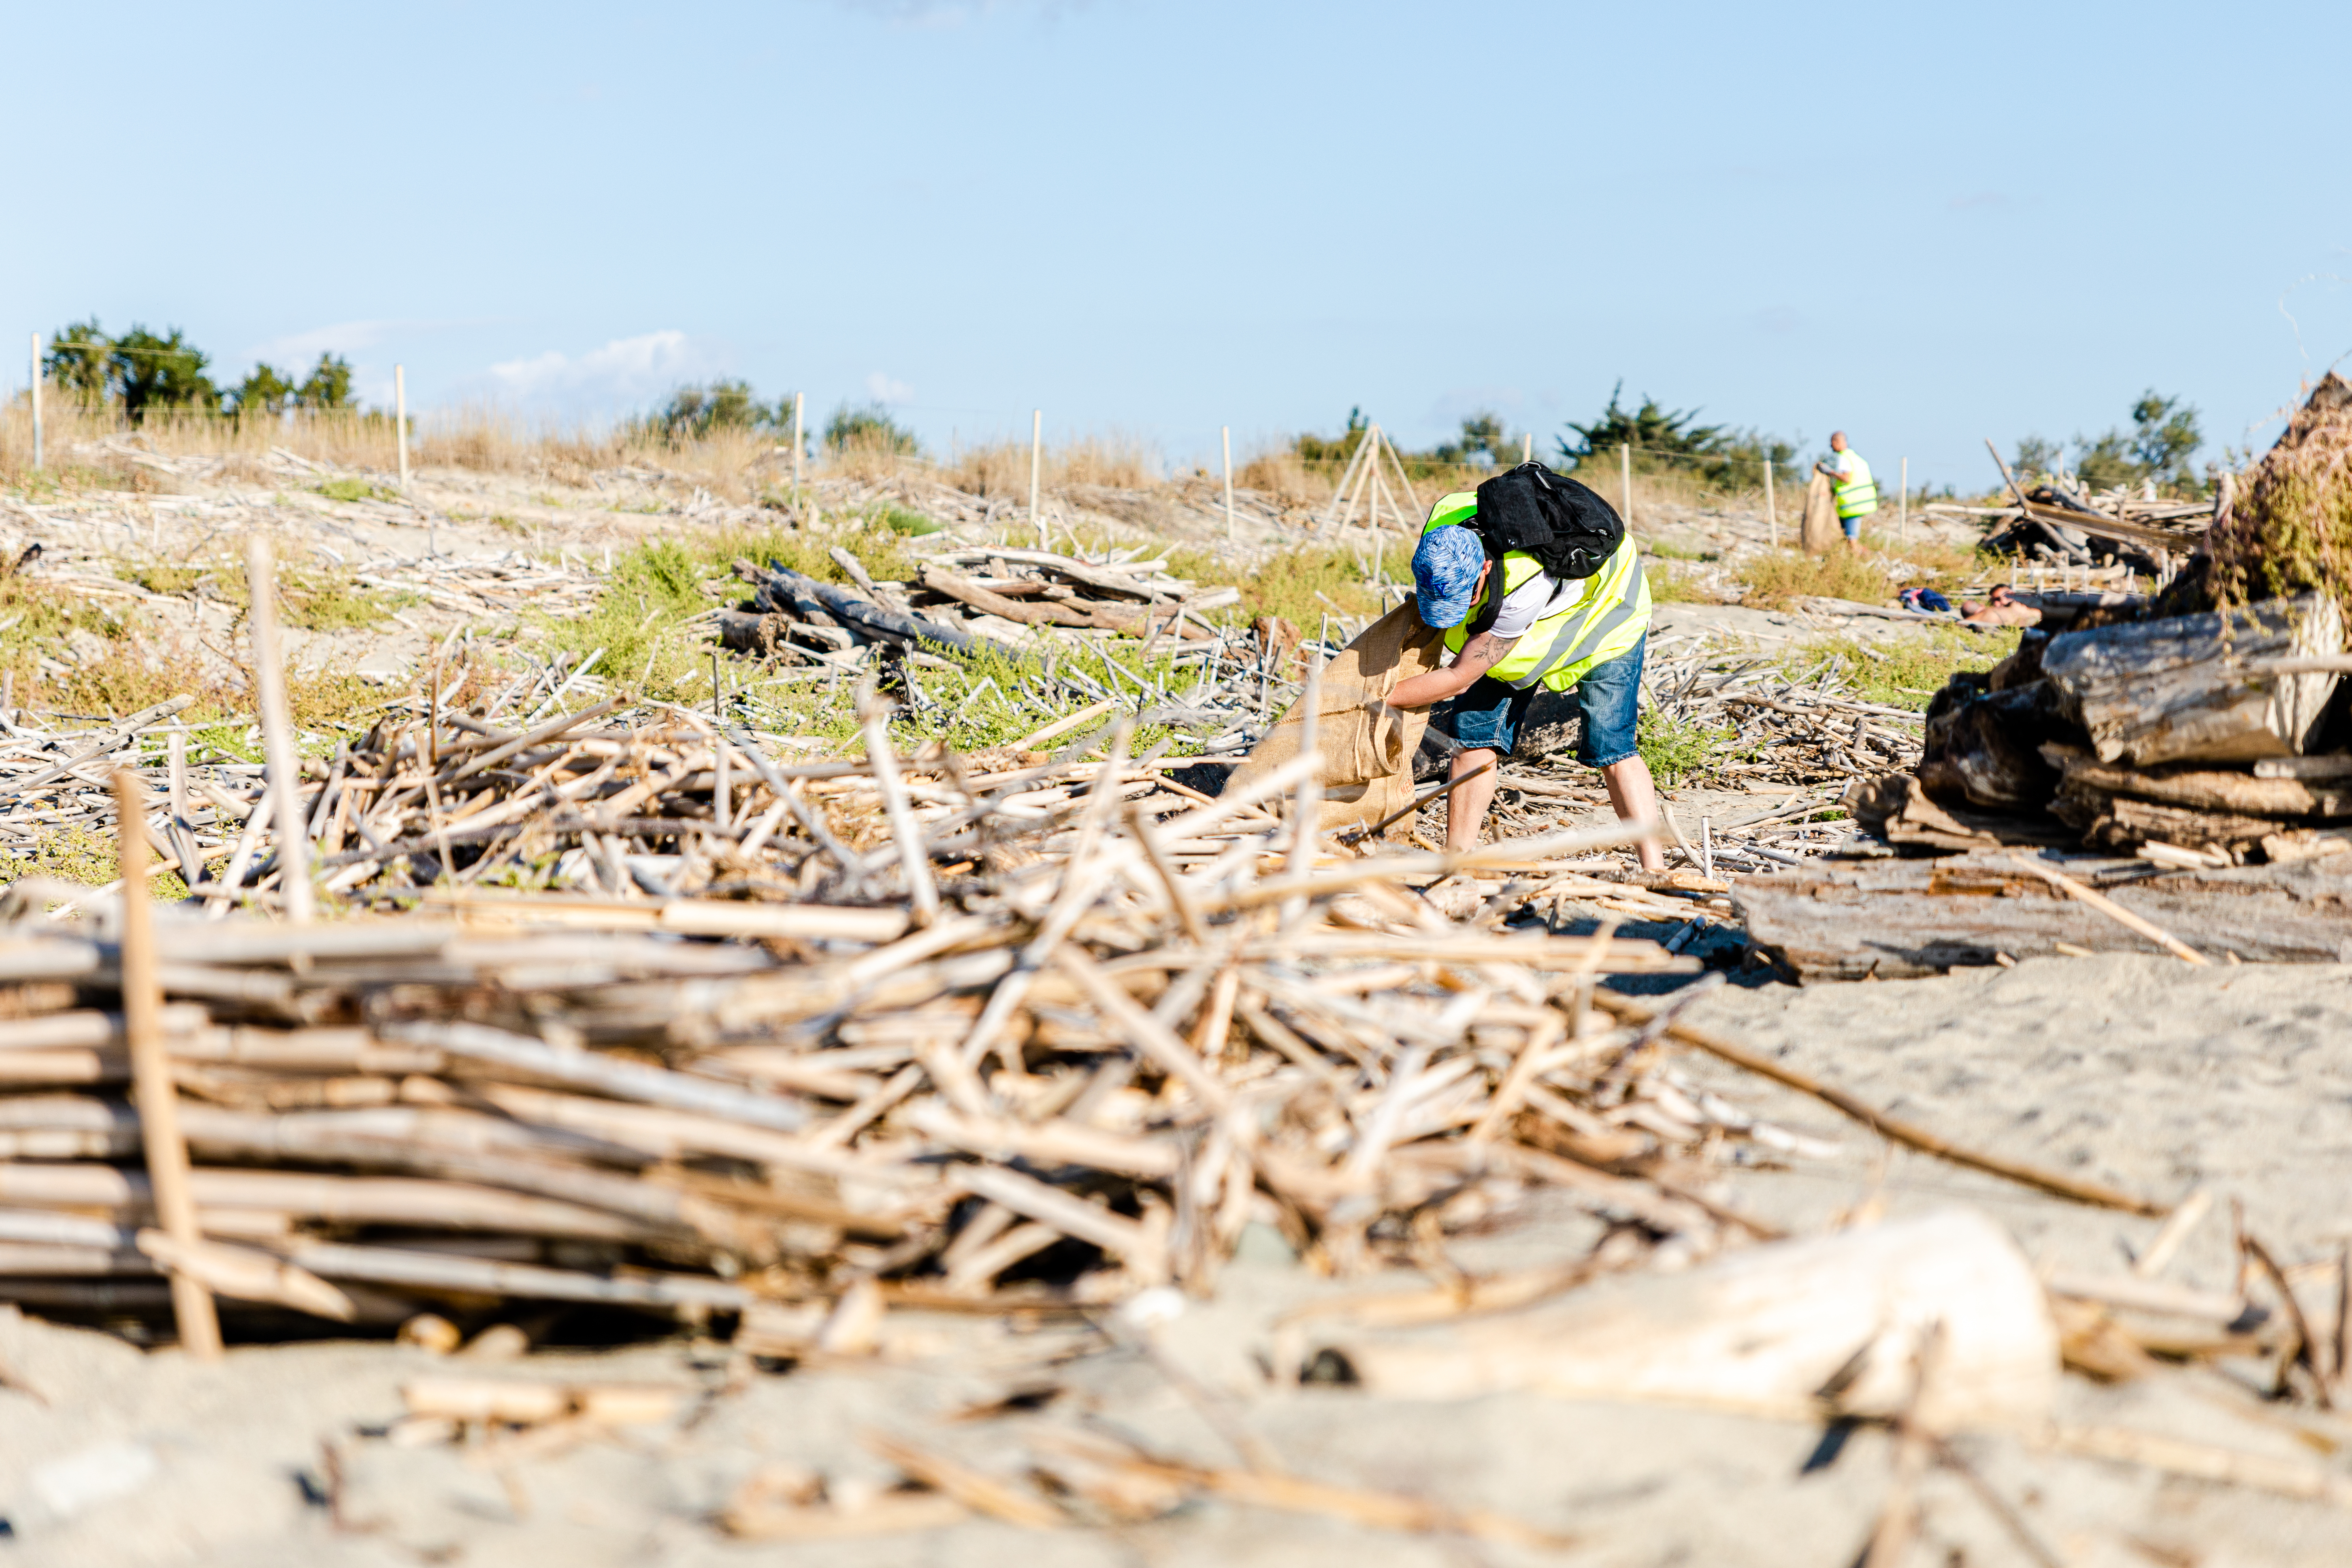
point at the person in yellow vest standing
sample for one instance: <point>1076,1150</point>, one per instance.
<point>1856,492</point>
<point>1571,612</point>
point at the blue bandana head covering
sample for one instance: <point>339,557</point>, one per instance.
<point>1445,575</point>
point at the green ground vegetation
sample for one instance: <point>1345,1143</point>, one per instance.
<point>653,589</point>
<point>1779,578</point>
<point>82,854</point>
<point>315,599</point>
<point>1903,671</point>
<point>355,490</point>
<point>1680,751</point>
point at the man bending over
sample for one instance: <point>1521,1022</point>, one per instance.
<point>1544,625</point>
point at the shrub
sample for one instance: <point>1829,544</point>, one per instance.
<point>1779,578</point>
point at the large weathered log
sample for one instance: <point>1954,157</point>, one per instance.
<point>1939,1318</point>
<point>1988,747</point>
<point>2209,789</point>
<point>2188,689</point>
<point>1904,918</point>
<point>2121,822</point>
<point>1898,808</point>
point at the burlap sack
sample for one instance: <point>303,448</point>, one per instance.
<point>1821,532</point>
<point>1367,758</point>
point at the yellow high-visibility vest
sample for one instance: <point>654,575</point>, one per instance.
<point>1607,615</point>
<point>1856,494</point>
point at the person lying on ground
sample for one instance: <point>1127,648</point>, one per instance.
<point>2003,610</point>
<point>1534,629</point>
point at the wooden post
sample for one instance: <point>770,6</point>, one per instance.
<point>1037,459</point>
<point>36,402</point>
<point>400,420</point>
<point>150,1073</point>
<point>798,399</point>
<point>1528,447</point>
<point>1625,466</point>
<point>181,842</point>
<point>278,731</point>
<point>1227,432</point>
<point>1771,513</point>
<point>1903,506</point>
<point>722,781</point>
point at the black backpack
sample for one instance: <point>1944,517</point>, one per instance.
<point>1570,531</point>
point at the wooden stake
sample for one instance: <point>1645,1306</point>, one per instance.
<point>278,731</point>
<point>36,402</point>
<point>1227,432</point>
<point>1528,447</point>
<point>913,854</point>
<point>1625,466</point>
<point>1036,462</point>
<point>798,399</point>
<point>400,420</point>
<point>1903,505</point>
<point>159,1105</point>
<point>1771,513</point>
<point>1306,804</point>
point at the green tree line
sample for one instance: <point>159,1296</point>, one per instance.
<point>140,371</point>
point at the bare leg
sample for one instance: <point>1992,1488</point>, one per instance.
<point>1468,803</point>
<point>1635,799</point>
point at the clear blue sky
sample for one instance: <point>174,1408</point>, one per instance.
<point>1926,224</point>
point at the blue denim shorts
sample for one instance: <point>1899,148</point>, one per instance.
<point>1487,716</point>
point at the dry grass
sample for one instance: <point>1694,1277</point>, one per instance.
<point>1117,461</point>
<point>1777,579</point>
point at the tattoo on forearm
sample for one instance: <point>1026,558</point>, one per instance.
<point>1486,649</point>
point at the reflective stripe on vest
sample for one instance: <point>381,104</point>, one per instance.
<point>1857,493</point>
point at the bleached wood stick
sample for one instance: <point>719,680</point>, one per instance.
<point>159,1099</point>
<point>278,731</point>
<point>606,1074</point>
<point>1073,1216</point>
<point>912,853</point>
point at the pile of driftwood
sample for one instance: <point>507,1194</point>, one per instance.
<point>969,601</point>
<point>1152,1028</point>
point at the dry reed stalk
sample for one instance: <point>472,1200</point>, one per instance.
<point>142,1026</point>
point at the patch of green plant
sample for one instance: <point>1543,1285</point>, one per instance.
<point>1288,585</point>
<point>37,617</point>
<point>158,578</point>
<point>355,490</point>
<point>506,525</point>
<point>1665,551</point>
<point>330,700</point>
<point>1681,751</point>
<point>226,737</point>
<point>911,524</point>
<point>333,601</point>
<point>82,854</point>
<point>1670,586</point>
<point>1905,671</point>
<point>313,599</point>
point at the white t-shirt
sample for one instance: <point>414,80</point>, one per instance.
<point>1540,596</point>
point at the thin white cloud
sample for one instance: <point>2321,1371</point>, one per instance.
<point>882,389</point>
<point>624,374</point>
<point>301,350</point>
